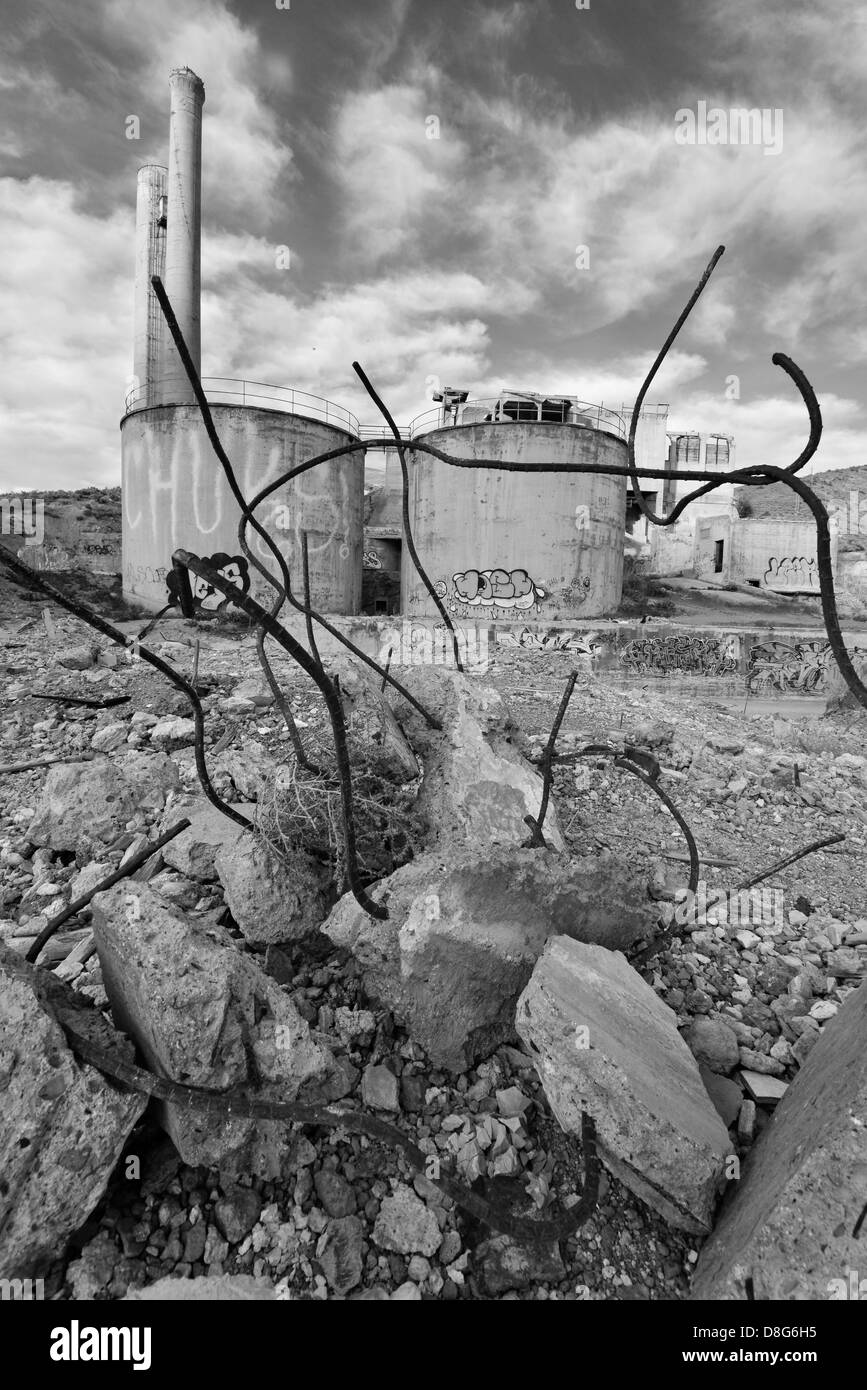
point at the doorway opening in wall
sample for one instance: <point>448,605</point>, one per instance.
<point>718,556</point>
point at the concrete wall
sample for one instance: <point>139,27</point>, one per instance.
<point>556,539</point>
<point>781,555</point>
<point>175,495</point>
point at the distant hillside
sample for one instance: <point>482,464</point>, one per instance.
<point>833,488</point>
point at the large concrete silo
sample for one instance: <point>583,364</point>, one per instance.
<point>518,547</point>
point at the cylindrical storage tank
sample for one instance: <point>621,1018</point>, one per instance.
<point>517,547</point>
<point>175,495</point>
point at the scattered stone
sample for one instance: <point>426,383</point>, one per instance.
<point>64,1125</point>
<point>503,1265</point>
<point>237,1212</point>
<point>375,1294</point>
<point>758,1062</point>
<point>764,1089</point>
<point>791,1232</point>
<point>109,737</point>
<point>379,1088</point>
<point>469,931</point>
<point>407,1293</point>
<point>512,1103</point>
<point>340,1253</point>
<point>406,1225</point>
<point>335,1193</point>
<point>606,1044</point>
<point>76,658</point>
<point>713,1044</point>
<point>173,733</point>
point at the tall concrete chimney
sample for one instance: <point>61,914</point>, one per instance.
<point>150,259</point>
<point>184,230</point>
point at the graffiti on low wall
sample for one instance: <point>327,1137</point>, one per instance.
<point>796,666</point>
<point>233,568</point>
<point>706,656</point>
<point>579,644</point>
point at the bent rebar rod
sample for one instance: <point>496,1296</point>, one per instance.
<point>94,620</point>
<point>333,705</point>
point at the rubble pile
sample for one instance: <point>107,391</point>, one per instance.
<point>504,997</point>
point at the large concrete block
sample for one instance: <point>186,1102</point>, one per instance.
<point>606,1044</point>
<point>464,933</point>
<point>791,1227</point>
<point>64,1125</point>
<point>203,1014</point>
<point>85,806</point>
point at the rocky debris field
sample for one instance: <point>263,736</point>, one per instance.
<point>492,1009</point>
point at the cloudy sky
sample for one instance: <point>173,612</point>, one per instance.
<point>452,258</point>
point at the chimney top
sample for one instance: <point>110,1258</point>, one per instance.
<point>186,77</point>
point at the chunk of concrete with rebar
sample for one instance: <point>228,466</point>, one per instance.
<point>64,1126</point>
<point>478,787</point>
<point>464,933</point>
<point>795,1227</point>
<point>604,1043</point>
<point>204,1014</point>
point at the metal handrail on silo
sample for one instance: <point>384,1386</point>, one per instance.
<point>493,411</point>
<point>278,397</point>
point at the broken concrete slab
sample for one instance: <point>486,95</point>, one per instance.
<point>478,787</point>
<point>791,1228</point>
<point>273,898</point>
<point>764,1089</point>
<point>84,806</point>
<point>463,936</point>
<point>606,1044</point>
<point>64,1124</point>
<point>203,1014</point>
<point>373,734</point>
<point>194,851</point>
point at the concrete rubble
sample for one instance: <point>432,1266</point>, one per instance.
<point>204,1015</point>
<point>469,931</point>
<point>272,898</point>
<point>85,806</point>
<point>606,1044</point>
<point>234,968</point>
<point>478,787</point>
<point>64,1126</point>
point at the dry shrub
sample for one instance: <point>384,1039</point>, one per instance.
<point>297,809</point>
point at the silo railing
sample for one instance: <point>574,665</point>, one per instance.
<point>221,390</point>
<point>512,407</point>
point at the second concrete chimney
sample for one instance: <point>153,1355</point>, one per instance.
<point>183,229</point>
